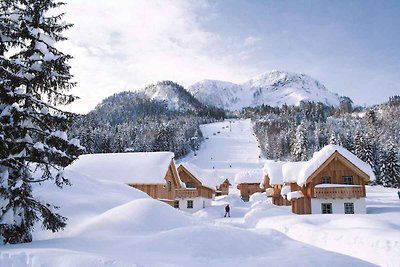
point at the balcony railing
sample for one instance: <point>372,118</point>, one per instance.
<point>355,191</point>
<point>187,193</point>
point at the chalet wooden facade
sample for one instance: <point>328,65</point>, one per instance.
<point>333,181</point>
<point>195,195</point>
<point>248,183</point>
<point>166,190</point>
<point>223,188</point>
<point>247,189</point>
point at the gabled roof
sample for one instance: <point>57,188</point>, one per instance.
<point>133,168</point>
<point>274,171</point>
<point>209,179</point>
<point>300,172</point>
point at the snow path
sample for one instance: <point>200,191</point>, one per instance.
<point>229,147</point>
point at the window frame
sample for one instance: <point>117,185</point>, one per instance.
<point>347,205</point>
<point>326,178</point>
<point>189,204</point>
<point>176,204</point>
<point>325,209</point>
<point>190,185</point>
<point>345,181</point>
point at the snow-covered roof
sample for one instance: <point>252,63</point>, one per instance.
<point>291,170</point>
<point>274,171</point>
<point>251,176</point>
<point>208,178</point>
<point>138,167</point>
<point>299,172</point>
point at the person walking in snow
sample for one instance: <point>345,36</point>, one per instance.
<point>398,193</point>
<point>227,211</point>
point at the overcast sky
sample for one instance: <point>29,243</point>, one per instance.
<point>352,47</point>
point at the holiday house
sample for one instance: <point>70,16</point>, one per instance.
<point>154,173</point>
<point>248,183</point>
<point>332,181</point>
<point>197,194</point>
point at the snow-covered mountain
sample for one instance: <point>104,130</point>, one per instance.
<point>273,88</point>
<point>172,94</point>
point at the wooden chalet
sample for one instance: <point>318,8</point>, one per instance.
<point>223,188</point>
<point>194,187</point>
<point>273,182</point>
<point>333,181</point>
<point>154,173</point>
<point>248,183</point>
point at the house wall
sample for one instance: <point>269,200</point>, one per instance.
<point>247,189</point>
<point>279,200</point>
<point>161,191</point>
<point>202,190</point>
<point>338,205</point>
<point>223,189</point>
<point>198,203</point>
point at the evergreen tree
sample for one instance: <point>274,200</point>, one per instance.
<point>301,144</point>
<point>390,169</point>
<point>34,79</point>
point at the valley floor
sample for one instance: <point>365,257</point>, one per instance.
<point>111,224</point>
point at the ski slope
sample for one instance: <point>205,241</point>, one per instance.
<point>229,147</point>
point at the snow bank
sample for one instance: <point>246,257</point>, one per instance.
<point>274,171</point>
<point>140,167</point>
<point>138,216</point>
<point>87,197</point>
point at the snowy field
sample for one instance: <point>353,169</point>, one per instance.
<point>111,224</point>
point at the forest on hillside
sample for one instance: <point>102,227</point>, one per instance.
<point>131,122</point>
<point>296,132</point>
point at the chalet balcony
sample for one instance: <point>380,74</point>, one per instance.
<point>338,191</point>
<point>273,192</point>
<point>187,193</point>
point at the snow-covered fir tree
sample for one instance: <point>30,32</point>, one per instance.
<point>300,144</point>
<point>390,168</point>
<point>34,146</point>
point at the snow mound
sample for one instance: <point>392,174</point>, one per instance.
<point>86,197</point>
<point>138,216</point>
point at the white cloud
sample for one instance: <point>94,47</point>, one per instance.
<point>125,45</point>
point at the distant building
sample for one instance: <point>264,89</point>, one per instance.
<point>273,182</point>
<point>248,182</point>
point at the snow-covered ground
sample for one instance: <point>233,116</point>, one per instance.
<point>229,148</point>
<point>111,224</point>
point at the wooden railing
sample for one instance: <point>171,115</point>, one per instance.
<point>187,193</point>
<point>339,192</point>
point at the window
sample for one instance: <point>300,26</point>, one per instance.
<point>190,185</point>
<point>348,208</point>
<point>326,208</point>
<point>190,204</point>
<point>347,179</point>
<point>326,180</point>
<point>176,204</point>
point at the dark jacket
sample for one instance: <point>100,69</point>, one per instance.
<point>227,208</point>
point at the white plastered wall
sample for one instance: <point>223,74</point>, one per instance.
<point>198,203</point>
<point>338,205</point>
